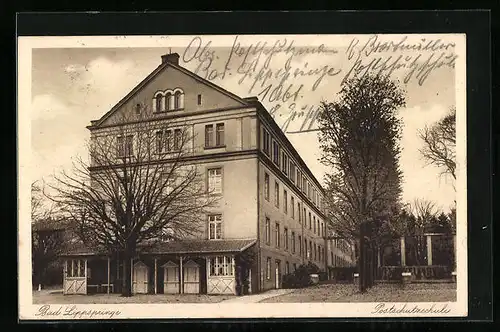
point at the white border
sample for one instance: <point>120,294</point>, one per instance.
<point>221,310</point>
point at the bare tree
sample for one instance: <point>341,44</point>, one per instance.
<point>439,144</point>
<point>139,188</point>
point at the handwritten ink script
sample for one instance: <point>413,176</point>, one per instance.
<point>292,80</point>
<point>72,312</point>
<point>417,60</point>
<point>382,308</point>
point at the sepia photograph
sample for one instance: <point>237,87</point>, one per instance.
<point>231,176</point>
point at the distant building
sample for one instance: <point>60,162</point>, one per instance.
<point>271,205</point>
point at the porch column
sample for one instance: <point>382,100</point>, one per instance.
<point>131,275</point>
<point>429,249</point>
<point>181,272</point>
<point>234,274</point>
<point>85,275</point>
<point>250,281</point>
<point>109,268</point>
<point>455,251</point>
<point>403,251</point>
<point>156,276</point>
<point>378,257</point>
<point>65,272</point>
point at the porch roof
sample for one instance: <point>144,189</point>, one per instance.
<point>202,246</point>
<point>173,247</point>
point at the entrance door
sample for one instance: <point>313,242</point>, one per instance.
<point>278,274</point>
<point>171,278</point>
<point>140,281</point>
<point>75,277</point>
<point>191,278</point>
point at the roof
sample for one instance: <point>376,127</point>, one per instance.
<point>49,224</point>
<point>203,246</point>
<point>153,74</point>
<point>173,247</point>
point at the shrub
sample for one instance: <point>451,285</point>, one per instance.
<point>301,277</point>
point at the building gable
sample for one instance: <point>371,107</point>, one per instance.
<point>197,93</point>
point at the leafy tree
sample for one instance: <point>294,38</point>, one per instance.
<point>46,236</point>
<point>359,136</point>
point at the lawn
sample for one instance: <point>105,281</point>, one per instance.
<point>432,292</point>
<point>52,297</point>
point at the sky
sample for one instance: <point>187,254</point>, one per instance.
<point>72,86</point>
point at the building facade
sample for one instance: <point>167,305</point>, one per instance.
<point>269,207</point>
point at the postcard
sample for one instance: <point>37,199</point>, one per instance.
<point>242,176</point>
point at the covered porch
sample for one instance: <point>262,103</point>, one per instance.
<point>177,267</point>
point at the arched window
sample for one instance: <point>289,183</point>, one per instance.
<point>168,101</point>
<point>178,100</point>
<point>158,103</point>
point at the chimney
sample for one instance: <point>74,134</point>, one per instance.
<point>171,58</point>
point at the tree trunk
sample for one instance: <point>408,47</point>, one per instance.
<point>127,270</point>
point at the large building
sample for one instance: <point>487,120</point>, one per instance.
<point>270,205</point>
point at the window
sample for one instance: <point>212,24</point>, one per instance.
<point>314,224</point>
<point>287,268</point>
<point>177,139</point>
<point>331,256</point>
<point>266,186</point>
<point>284,162</point>
<point>304,184</point>
<point>310,250</point>
<point>266,142</point>
<point>268,231</point>
<point>276,194</point>
<point>285,202</point>
<point>310,223</point>
<point>221,266</point>
<point>215,180</point>
<point>293,242</point>
<point>168,102</point>
<point>285,237</point>
<point>277,235</point>
<point>209,135</point>
<point>299,177</point>
<point>219,138</point>
<point>178,100</point>
<point>292,171</point>
<point>298,211</point>
<point>304,217</point>
<point>300,245</point>
<point>138,109</point>
<point>315,252</point>
<point>268,268</point>
<point>306,252</point>
<point>199,99</point>
<point>215,227</point>
<point>159,141</point>
<point>75,268</point>
<point>219,135</point>
<point>125,146</point>
<point>159,103</point>
<point>276,153</point>
<point>322,232</point>
<point>292,206</point>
